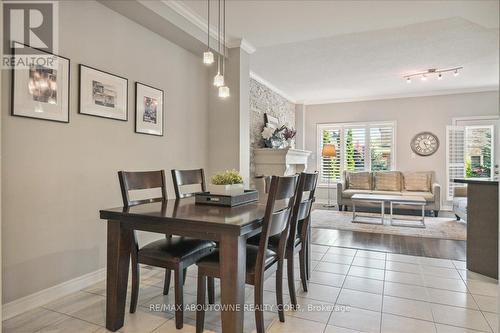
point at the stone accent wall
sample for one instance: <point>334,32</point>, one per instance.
<point>264,100</point>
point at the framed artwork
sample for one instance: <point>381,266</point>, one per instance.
<point>103,94</point>
<point>270,121</point>
<point>148,109</point>
<point>41,90</point>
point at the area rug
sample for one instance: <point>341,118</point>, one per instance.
<point>436,227</point>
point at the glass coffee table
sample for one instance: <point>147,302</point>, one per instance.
<point>393,200</point>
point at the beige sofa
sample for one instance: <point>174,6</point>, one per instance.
<point>417,183</point>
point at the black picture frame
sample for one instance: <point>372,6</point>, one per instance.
<point>137,83</point>
<point>80,111</point>
<point>13,82</point>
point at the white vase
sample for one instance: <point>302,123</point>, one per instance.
<point>231,190</point>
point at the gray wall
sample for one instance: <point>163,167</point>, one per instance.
<point>412,115</point>
<point>57,176</point>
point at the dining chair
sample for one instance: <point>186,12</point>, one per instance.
<point>191,178</point>
<point>299,226</point>
<point>173,253</point>
<point>261,261</point>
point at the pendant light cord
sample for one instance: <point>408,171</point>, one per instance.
<point>208,24</point>
<point>218,39</point>
<point>224,37</point>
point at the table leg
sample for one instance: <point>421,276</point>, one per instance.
<point>232,260</point>
<point>390,203</point>
<point>382,212</point>
<point>353,211</point>
<point>423,216</point>
<point>118,257</point>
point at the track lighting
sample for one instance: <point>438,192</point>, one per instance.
<point>433,72</point>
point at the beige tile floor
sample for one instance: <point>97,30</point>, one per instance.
<point>351,291</point>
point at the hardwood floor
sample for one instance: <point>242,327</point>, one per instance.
<point>417,246</point>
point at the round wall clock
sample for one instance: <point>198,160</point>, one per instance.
<point>424,144</point>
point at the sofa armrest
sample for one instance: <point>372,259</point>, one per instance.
<point>341,186</point>
<point>460,191</point>
<point>436,190</point>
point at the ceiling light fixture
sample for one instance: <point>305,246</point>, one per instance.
<point>438,73</point>
<point>224,90</point>
<point>219,78</point>
<point>208,56</point>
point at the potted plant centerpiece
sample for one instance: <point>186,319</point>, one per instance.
<point>228,182</point>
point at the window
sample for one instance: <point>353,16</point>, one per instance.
<point>359,146</point>
<point>469,153</point>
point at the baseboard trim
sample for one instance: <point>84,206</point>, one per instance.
<point>45,296</point>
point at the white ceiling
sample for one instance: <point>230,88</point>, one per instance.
<point>323,51</point>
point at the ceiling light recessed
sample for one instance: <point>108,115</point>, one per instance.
<point>440,76</point>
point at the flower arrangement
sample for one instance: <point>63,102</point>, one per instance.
<point>227,177</point>
<point>280,137</point>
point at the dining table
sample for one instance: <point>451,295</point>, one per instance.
<point>229,226</point>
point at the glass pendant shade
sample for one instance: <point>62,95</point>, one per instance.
<point>224,92</point>
<point>219,80</point>
<point>208,58</point>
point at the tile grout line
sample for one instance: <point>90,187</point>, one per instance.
<point>341,288</point>
<point>472,295</point>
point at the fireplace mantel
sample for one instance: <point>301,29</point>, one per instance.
<point>280,162</point>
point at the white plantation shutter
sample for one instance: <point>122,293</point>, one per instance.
<point>381,147</point>
<point>330,166</point>
<point>354,148</point>
<point>455,156</point>
<point>360,147</point>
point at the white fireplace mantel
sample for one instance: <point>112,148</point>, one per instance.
<point>280,162</point>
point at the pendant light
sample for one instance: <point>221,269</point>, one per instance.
<point>224,90</point>
<point>208,56</point>
<point>219,78</point>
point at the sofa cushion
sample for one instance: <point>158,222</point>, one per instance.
<point>417,181</point>
<point>359,180</point>
<point>428,196</point>
<point>387,181</point>
<point>347,194</point>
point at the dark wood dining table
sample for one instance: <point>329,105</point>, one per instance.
<point>229,226</point>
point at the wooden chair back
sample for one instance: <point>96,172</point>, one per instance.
<point>302,208</point>
<point>141,180</point>
<point>188,177</point>
<point>276,221</point>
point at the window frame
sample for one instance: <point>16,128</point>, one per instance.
<point>342,127</point>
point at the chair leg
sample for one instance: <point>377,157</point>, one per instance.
<point>302,264</point>
<point>340,208</point>
<point>259,304</point>
<point>291,280</point>
<point>200,309</point>
<point>436,213</point>
<point>135,284</point>
<point>166,284</point>
<point>184,275</point>
<point>179,303</point>
<point>307,248</point>
<point>211,290</point>
<point>279,291</point>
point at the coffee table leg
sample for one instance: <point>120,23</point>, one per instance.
<point>353,211</point>
<point>390,212</point>
<point>423,216</point>
<point>382,213</point>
